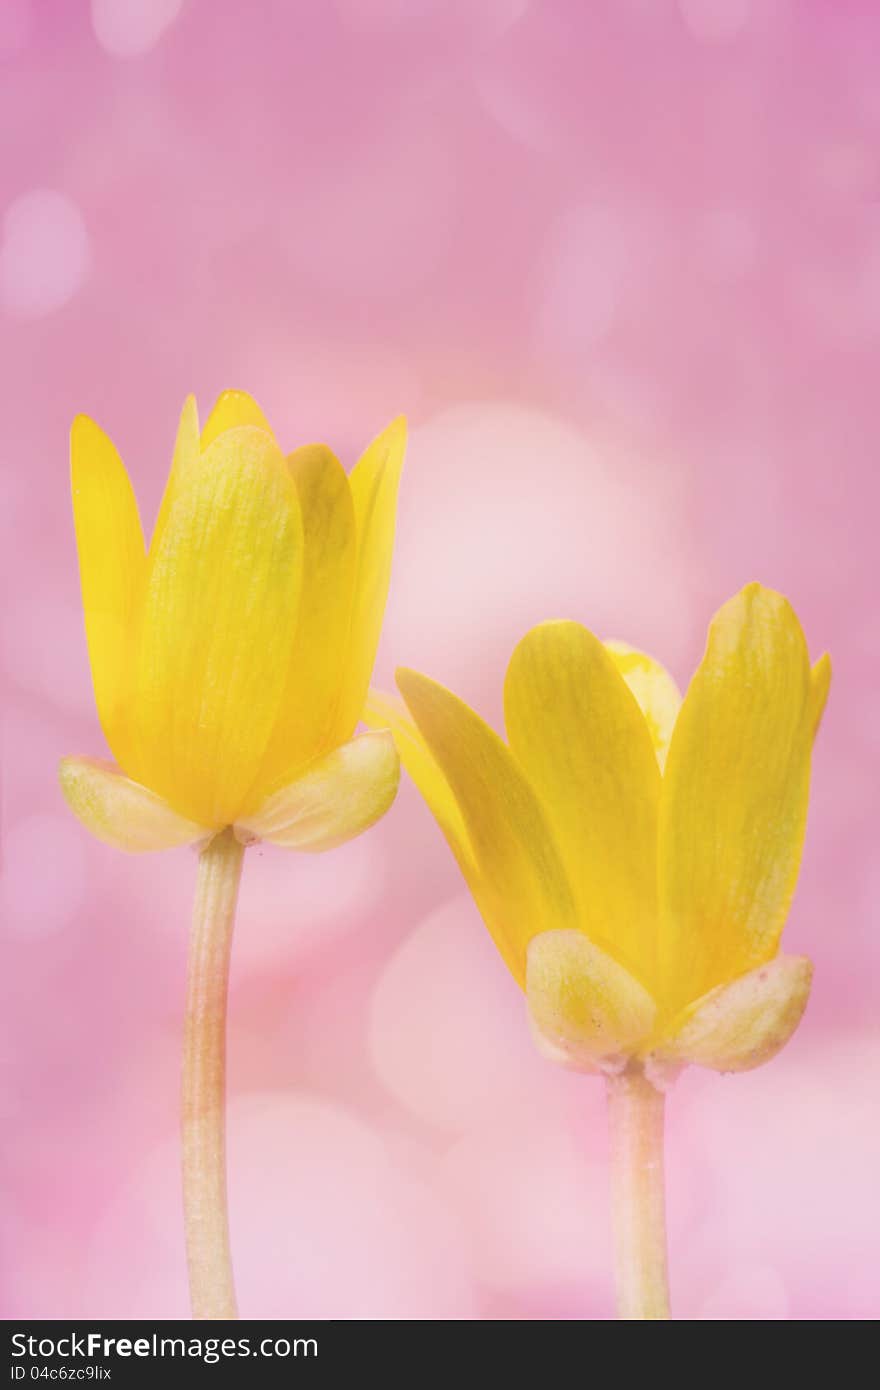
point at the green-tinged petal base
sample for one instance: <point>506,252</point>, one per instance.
<point>335,799</point>
<point>585,1010</point>
<point>739,1026</point>
<point>122,813</point>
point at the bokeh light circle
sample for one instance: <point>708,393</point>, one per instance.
<point>44,255</point>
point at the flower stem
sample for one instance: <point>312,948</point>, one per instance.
<point>635,1115</point>
<point>206,1223</point>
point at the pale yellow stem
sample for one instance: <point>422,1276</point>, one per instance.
<point>635,1115</point>
<point>212,1291</point>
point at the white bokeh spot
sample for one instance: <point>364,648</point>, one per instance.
<point>44,253</point>
<point>130,28</point>
<point>448,1033</point>
<point>511,516</point>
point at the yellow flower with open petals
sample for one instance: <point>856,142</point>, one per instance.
<point>231,660</point>
<point>634,855</point>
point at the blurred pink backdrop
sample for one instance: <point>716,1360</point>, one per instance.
<point>620,265</point>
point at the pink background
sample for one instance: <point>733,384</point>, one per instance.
<point>620,265</point>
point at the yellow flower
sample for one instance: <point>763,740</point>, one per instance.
<point>232,659</point>
<point>634,855</point>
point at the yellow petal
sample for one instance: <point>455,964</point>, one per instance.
<point>577,731</point>
<point>525,889</point>
<point>656,693</point>
<point>187,451</point>
<point>218,621</point>
<point>739,1026</point>
<point>111,565</point>
<point>308,708</point>
<point>231,410</point>
<point>338,797</point>
<point>582,1004</point>
<point>734,802</point>
<point>374,483</point>
<point>121,812</point>
<point>383,711</point>
<point>820,684</point>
